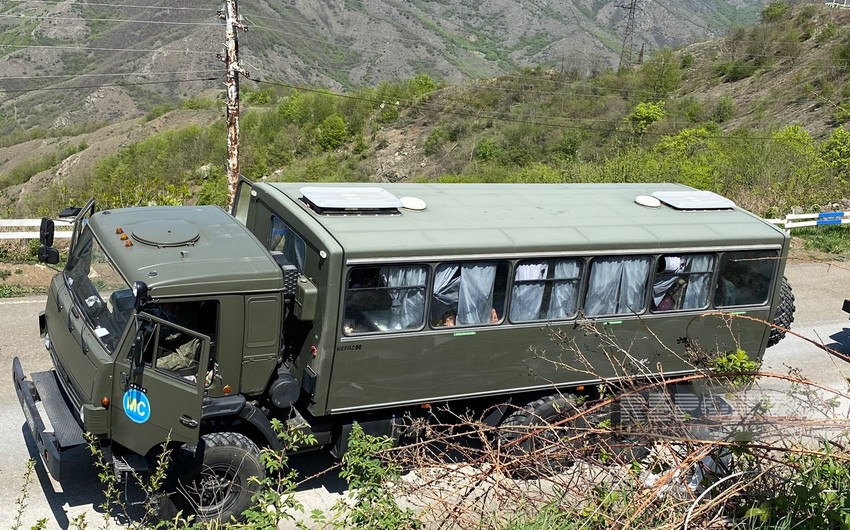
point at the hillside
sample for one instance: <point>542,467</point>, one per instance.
<point>63,63</point>
<point>757,115</point>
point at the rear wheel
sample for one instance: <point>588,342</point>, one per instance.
<point>784,314</point>
<point>212,480</point>
<point>554,431</point>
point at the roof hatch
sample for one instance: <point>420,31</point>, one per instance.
<point>166,233</point>
<point>350,200</point>
<point>694,200</point>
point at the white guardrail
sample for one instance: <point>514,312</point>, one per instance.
<point>64,229</point>
<point>799,220</point>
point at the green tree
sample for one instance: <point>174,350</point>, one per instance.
<point>775,11</point>
<point>661,74</point>
<point>332,132</point>
<point>644,115</point>
<point>835,152</point>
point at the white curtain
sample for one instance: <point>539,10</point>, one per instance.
<point>475,296</point>
<point>564,298</point>
<point>526,298</point>
<point>617,286</point>
<point>407,292</point>
<point>696,295</point>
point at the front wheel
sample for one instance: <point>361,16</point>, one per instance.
<point>784,314</point>
<point>212,479</point>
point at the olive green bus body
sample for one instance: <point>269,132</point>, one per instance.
<point>505,223</point>
<point>268,347</point>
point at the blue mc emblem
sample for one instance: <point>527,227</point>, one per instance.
<point>136,405</point>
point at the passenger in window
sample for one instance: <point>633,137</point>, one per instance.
<point>669,287</point>
<point>494,316</point>
<point>448,319</point>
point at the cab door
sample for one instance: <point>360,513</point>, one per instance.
<point>159,384</point>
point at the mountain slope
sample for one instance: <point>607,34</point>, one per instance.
<point>118,61</point>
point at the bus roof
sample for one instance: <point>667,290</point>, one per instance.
<point>186,250</point>
<point>520,219</point>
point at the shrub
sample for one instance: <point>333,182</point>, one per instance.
<point>774,12</point>
<point>332,132</point>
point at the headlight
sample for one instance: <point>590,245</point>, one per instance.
<point>47,341</point>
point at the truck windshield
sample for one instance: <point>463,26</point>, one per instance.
<point>99,291</point>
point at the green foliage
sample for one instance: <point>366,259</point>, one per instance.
<point>738,365</point>
<point>842,56</point>
<point>213,190</point>
<point>817,497</point>
<point>835,151</point>
<point>775,11</point>
<point>661,74</point>
<point>23,497</point>
<point>644,115</point>
<point>198,103</point>
<point>158,110</point>
<point>275,497</point>
<point>829,239</point>
<point>735,70</point>
<point>826,33</point>
<point>332,132</point>
<point>24,172</point>
<point>724,109</point>
<point>370,478</point>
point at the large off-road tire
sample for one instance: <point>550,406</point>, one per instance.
<point>527,440</point>
<point>535,440</point>
<point>212,479</point>
<point>784,314</point>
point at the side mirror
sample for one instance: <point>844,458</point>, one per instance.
<point>48,255</point>
<point>140,292</point>
<point>46,231</point>
<point>136,350</point>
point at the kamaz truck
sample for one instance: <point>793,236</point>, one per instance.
<point>324,305</point>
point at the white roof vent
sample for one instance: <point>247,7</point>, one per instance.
<point>694,200</point>
<point>350,200</point>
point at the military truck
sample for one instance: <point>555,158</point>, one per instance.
<point>324,305</point>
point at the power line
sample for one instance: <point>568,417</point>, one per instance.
<point>86,87</point>
<point>77,19</point>
<point>101,4</point>
<point>89,48</point>
<point>69,76</point>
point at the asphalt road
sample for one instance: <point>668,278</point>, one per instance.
<point>819,288</point>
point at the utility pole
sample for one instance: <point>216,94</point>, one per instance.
<point>628,38</point>
<point>232,21</point>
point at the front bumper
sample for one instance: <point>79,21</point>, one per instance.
<point>67,431</point>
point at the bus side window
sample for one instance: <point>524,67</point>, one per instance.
<point>745,278</point>
<point>682,281</point>
<point>465,293</point>
<point>385,299</point>
<point>545,290</point>
<point>617,285</point>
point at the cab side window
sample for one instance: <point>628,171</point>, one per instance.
<point>545,290</point>
<point>176,349</point>
<point>467,294</point>
<point>745,278</point>
<point>385,299</point>
<point>682,281</point>
<point>617,285</point>
<point>283,239</point>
